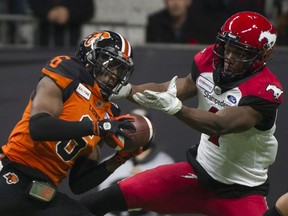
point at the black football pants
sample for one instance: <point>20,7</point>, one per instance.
<point>15,201</point>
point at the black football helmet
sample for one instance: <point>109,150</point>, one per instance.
<point>252,36</point>
<point>107,53</point>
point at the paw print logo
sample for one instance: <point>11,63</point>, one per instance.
<point>11,178</point>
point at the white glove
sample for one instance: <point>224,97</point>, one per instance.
<point>164,101</point>
<point>123,93</point>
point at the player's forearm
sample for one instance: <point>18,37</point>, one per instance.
<point>202,121</point>
<point>160,87</point>
<point>45,127</point>
<point>87,174</point>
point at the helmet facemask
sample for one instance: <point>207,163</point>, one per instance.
<point>110,70</point>
<point>249,60</point>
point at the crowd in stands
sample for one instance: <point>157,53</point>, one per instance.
<point>178,21</point>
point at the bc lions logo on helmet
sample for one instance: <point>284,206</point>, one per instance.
<point>271,38</point>
<point>96,36</point>
<point>11,178</point>
<point>277,91</point>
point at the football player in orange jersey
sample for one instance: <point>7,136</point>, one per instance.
<point>61,129</point>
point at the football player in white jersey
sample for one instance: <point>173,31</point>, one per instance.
<point>226,174</point>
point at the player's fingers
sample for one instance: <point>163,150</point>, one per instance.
<point>152,95</point>
<point>139,98</point>
<point>172,89</point>
<point>125,135</point>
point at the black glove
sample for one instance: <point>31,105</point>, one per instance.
<point>113,128</point>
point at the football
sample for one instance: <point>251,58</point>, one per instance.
<point>143,134</point>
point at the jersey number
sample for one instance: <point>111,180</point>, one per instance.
<point>214,139</point>
<point>57,60</point>
<point>68,149</point>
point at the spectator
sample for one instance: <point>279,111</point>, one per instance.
<point>14,33</point>
<point>149,158</point>
<point>175,24</point>
<point>60,21</point>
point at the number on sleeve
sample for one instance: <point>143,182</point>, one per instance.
<point>57,60</point>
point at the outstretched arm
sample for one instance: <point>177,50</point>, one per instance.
<point>186,88</point>
<point>229,120</point>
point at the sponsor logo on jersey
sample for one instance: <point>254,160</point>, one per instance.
<point>83,91</point>
<point>277,92</point>
<point>215,100</point>
<point>205,84</point>
<point>232,99</point>
<point>11,178</point>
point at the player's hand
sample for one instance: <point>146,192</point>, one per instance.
<point>164,101</point>
<point>122,157</point>
<point>123,93</point>
<point>113,128</point>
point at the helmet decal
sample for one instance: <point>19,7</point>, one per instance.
<point>96,36</point>
<point>270,37</point>
<point>126,48</point>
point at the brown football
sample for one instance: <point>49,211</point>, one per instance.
<point>143,134</point>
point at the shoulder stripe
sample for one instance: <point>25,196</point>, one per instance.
<point>60,80</point>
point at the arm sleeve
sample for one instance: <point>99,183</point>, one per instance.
<point>42,126</point>
<point>87,174</point>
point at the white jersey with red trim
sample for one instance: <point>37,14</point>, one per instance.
<point>241,158</point>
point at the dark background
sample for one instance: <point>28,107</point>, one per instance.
<point>20,69</point>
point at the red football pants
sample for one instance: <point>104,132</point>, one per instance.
<point>174,189</point>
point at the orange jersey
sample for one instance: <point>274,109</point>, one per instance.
<point>82,99</point>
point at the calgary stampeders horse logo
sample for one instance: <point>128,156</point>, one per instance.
<point>277,92</point>
<point>270,37</point>
<point>96,36</point>
<point>11,178</point>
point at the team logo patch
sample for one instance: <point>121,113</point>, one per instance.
<point>277,92</point>
<point>11,178</point>
<point>271,38</point>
